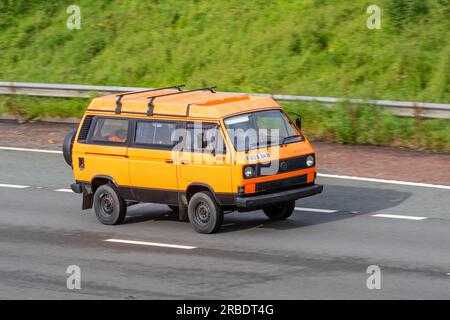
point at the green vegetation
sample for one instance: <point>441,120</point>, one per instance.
<point>367,124</point>
<point>31,108</point>
<point>343,124</point>
<point>308,47</point>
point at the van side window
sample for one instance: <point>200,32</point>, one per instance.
<point>111,130</point>
<point>155,133</point>
<point>204,137</point>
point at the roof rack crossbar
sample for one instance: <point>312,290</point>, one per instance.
<point>152,98</point>
<point>120,96</point>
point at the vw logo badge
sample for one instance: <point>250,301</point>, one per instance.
<point>283,165</point>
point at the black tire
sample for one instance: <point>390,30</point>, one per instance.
<point>109,206</point>
<point>205,215</point>
<point>280,211</point>
<point>68,145</point>
<point>175,209</point>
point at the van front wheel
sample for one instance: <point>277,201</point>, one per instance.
<point>205,214</point>
<point>109,206</point>
<point>281,211</point>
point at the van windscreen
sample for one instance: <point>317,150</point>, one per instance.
<point>260,129</point>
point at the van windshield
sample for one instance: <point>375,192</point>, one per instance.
<point>260,129</point>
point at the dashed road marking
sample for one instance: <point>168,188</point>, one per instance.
<point>64,190</point>
<point>154,244</point>
<point>395,216</point>
<point>31,150</point>
<point>15,186</point>
<point>403,183</point>
<point>315,210</point>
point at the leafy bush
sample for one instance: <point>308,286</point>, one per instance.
<point>406,11</point>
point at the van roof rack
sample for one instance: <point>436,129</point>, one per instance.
<point>120,96</point>
<point>152,98</point>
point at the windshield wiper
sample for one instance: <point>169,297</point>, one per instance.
<point>290,137</point>
<point>270,142</point>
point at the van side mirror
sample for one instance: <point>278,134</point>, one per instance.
<point>298,122</point>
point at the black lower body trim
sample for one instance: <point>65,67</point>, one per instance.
<point>152,195</point>
<point>126,193</point>
<point>226,199</point>
<point>162,196</point>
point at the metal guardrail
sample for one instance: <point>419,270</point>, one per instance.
<point>425,109</point>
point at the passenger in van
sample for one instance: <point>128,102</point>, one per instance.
<point>119,135</point>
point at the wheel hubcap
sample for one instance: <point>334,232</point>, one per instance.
<point>202,212</point>
<point>107,204</point>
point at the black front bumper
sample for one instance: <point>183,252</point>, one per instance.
<point>265,200</point>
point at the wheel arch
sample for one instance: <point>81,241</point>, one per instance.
<point>100,180</point>
<point>196,187</point>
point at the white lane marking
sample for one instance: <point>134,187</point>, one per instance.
<point>64,190</point>
<point>404,183</point>
<point>315,210</point>
<point>15,186</point>
<point>155,244</point>
<point>30,150</point>
<point>395,216</point>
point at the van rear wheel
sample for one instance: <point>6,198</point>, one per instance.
<point>281,211</point>
<point>204,213</point>
<point>109,206</point>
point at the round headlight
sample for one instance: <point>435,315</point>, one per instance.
<point>249,172</point>
<point>309,161</point>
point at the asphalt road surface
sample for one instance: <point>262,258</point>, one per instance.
<point>322,252</point>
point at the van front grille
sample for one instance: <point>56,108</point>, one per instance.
<point>281,183</point>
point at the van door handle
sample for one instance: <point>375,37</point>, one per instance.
<point>169,161</point>
<point>184,162</point>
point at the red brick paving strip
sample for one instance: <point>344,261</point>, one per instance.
<point>383,163</point>
<point>361,161</point>
<point>39,135</point>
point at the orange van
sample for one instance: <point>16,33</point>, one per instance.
<point>201,153</point>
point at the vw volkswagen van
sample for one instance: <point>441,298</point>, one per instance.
<point>202,153</point>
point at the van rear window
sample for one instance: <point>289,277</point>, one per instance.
<point>111,130</point>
